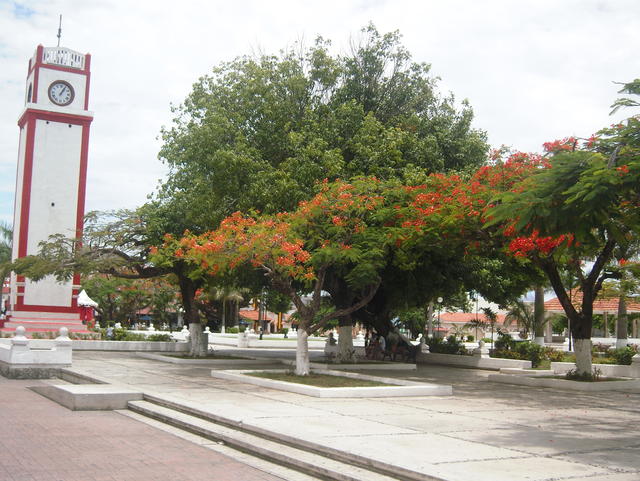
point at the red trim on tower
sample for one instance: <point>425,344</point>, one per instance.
<point>35,308</point>
<point>26,187</point>
<point>27,175</point>
<point>87,64</point>
<point>38,114</point>
<point>62,68</point>
<point>36,75</point>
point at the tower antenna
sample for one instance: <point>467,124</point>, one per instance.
<point>60,30</point>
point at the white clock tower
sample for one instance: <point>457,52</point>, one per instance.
<point>51,182</point>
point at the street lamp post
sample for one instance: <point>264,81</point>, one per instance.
<point>439,307</point>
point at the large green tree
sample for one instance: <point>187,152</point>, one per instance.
<point>257,133</point>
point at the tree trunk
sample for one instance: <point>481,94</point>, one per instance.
<point>548,332</point>
<point>621,324</point>
<point>538,314</point>
<point>345,343</point>
<point>224,316</point>
<point>605,321</point>
<point>345,339</point>
<point>302,352</point>
<point>583,356</point>
<point>429,326</point>
<point>198,341</point>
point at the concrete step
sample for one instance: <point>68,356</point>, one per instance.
<point>278,452</point>
<point>277,470</point>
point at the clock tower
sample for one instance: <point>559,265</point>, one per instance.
<point>51,182</point>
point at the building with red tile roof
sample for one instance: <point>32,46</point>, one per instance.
<point>600,305</point>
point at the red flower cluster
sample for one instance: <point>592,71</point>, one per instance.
<point>564,145</point>
<point>522,246</point>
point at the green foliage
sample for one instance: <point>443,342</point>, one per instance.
<point>412,320</point>
<point>624,355</point>
<point>507,348</point>
<point>470,338</point>
<point>257,133</point>
<point>449,346</point>
<point>504,342</point>
<point>125,335</point>
<point>159,338</point>
<point>554,355</point>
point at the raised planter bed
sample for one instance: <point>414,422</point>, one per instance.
<point>358,366</point>
<point>206,362</point>
<point>527,372</point>
<point>477,362</point>
<point>399,388</point>
<point>609,370</point>
<point>631,385</point>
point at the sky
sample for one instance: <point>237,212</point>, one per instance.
<point>533,71</point>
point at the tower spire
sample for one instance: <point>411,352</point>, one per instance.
<point>59,30</point>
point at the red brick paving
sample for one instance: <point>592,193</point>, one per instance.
<point>43,441</point>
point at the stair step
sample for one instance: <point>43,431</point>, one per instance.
<point>277,470</point>
<point>305,461</point>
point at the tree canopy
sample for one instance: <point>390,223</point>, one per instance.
<point>258,133</point>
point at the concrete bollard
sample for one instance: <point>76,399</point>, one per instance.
<point>481,351</point>
<point>63,342</point>
<point>243,339</point>
<point>634,369</point>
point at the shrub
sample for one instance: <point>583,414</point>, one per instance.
<point>504,342</point>
<point>449,346</point>
<point>232,330</point>
<point>553,355</point>
<point>470,338</point>
<point>531,351</point>
<point>599,347</point>
<point>505,354</point>
<point>623,355</point>
<point>159,337</point>
<point>524,350</point>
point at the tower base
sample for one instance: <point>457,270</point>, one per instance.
<point>45,322</point>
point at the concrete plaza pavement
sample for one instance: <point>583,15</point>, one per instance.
<point>483,432</point>
<point>42,441</point>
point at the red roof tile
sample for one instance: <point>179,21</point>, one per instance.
<point>600,305</point>
<point>464,317</point>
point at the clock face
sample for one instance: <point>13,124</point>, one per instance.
<point>61,92</point>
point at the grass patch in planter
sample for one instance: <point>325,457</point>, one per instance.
<point>207,356</point>
<point>318,380</point>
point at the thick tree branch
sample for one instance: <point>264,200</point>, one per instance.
<point>372,289</point>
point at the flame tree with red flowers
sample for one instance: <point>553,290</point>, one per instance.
<point>572,214</point>
<point>347,226</point>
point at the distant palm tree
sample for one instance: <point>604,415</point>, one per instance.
<point>227,294</point>
<point>6,243</point>
<point>475,324</point>
<point>522,314</point>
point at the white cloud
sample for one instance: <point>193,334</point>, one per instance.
<point>533,70</point>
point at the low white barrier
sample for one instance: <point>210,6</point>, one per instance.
<point>475,361</point>
<point>19,360</point>
<point>608,370</point>
<point>253,340</point>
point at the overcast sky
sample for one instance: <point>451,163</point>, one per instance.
<point>532,70</point>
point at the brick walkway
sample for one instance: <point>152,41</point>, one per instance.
<point>43,441</point>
